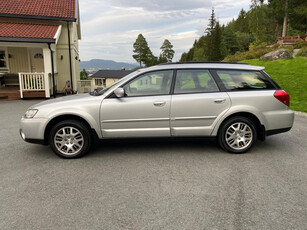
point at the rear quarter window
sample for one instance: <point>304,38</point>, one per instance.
<point>244,80</point>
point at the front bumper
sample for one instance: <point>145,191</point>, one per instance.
<point>33,130</point>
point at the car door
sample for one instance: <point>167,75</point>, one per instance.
<point>143,111</point>
<point>196,103</point>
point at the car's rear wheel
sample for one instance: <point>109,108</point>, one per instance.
<point>70,139</point>
<point>237,135</point>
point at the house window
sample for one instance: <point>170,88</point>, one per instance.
<point>3,59</point>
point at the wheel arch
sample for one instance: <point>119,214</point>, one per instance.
<point>259,127</point>
<point>60,118</point>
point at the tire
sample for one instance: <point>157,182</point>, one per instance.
<point>237,135</point>
<point>70,139</point>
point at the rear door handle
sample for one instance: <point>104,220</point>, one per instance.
<point>159,103</point>
<point>219,100</point>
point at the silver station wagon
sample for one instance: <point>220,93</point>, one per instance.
<point>234,102</point>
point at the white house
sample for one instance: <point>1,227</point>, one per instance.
<point>104,78</point>
<point>39,49</point>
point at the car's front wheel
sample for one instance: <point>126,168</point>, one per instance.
<point>237,135</point>
<point>70,139</point>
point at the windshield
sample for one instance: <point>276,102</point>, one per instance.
<point>100,92</point>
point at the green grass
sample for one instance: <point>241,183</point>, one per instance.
<point>291,75</point>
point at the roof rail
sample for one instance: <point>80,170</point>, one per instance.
<point>204,62</point>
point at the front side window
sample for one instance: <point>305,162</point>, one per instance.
<point>194,81</point>
<point>153,83</point>
<point>243,80</point>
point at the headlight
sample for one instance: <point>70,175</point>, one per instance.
<point>30,113</point>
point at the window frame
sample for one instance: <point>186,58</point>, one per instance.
<point>219,89</point>
<point>112,95</point>
<point>261,72</point>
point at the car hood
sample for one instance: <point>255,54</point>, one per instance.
<point>71,100</point>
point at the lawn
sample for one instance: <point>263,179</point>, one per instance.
<point>291,75</point>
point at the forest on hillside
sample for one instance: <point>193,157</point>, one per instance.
<point>257,27</point>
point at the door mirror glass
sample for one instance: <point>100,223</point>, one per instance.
<point>119,92</point>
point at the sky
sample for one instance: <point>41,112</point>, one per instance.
<point>110,27</point>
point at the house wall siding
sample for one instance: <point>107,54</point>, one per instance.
<point>18,61</point>
<point>110,81</point>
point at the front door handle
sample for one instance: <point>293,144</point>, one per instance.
<point>159,103</point>
<point>219,100</point>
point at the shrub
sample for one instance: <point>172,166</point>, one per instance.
<point>302,52</point>
<point>300,45</point>
<point>251,54</point>
<point>257,45</point>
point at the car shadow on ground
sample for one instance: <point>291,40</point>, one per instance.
<point>156,146</point>
<point>160,146</point>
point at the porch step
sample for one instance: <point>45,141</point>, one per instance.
<point>9,96</point>
<point>3,98</point>
<point>34,94</point>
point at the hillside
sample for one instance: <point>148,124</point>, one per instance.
<point>291,75</point>
<point>105,64</point>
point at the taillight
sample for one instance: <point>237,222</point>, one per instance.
<point>282,96</point>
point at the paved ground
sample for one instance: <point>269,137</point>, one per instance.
<point>152,185</point>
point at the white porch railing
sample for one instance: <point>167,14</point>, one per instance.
<point>35,82</point>
<point>85,86</point>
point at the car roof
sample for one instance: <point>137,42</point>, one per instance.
<point>204,65</point>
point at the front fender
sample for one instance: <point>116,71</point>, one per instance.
<point>91,119</point>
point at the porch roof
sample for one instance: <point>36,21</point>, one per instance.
<point>24,32</point>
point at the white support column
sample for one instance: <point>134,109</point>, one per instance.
<point>48,70</point>
<point>47,85</point>
<point>20,85</point>
<point>47,60</point>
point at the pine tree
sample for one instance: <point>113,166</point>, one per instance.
<point>217,43</point>
<point>141,50</point>
<point>167,51</point>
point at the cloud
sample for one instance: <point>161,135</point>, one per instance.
<point>162,5</point>
<point>110,27</point>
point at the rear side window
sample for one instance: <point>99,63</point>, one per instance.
<point>194,81</point>
<point>244,80</point>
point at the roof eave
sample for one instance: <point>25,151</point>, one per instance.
<point>27,40</point>
<point>38,17</point>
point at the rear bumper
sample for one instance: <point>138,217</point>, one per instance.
<point>277,131</point>
<point>278,121</point>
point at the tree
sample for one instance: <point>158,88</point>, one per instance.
<point>210,31</point>
<point>241,24</point>
<point>167,51</point>
<point>216,44</point>
<point>151,59</point>
<point>141,50</point>
<point>290,14</point>
<point>298,15</point>
<point>280,13</point>
<point>230,41</point>
<point>83,75</point>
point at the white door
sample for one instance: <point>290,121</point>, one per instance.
<point>36,60</point>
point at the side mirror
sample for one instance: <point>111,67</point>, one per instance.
<point>119,92</point>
